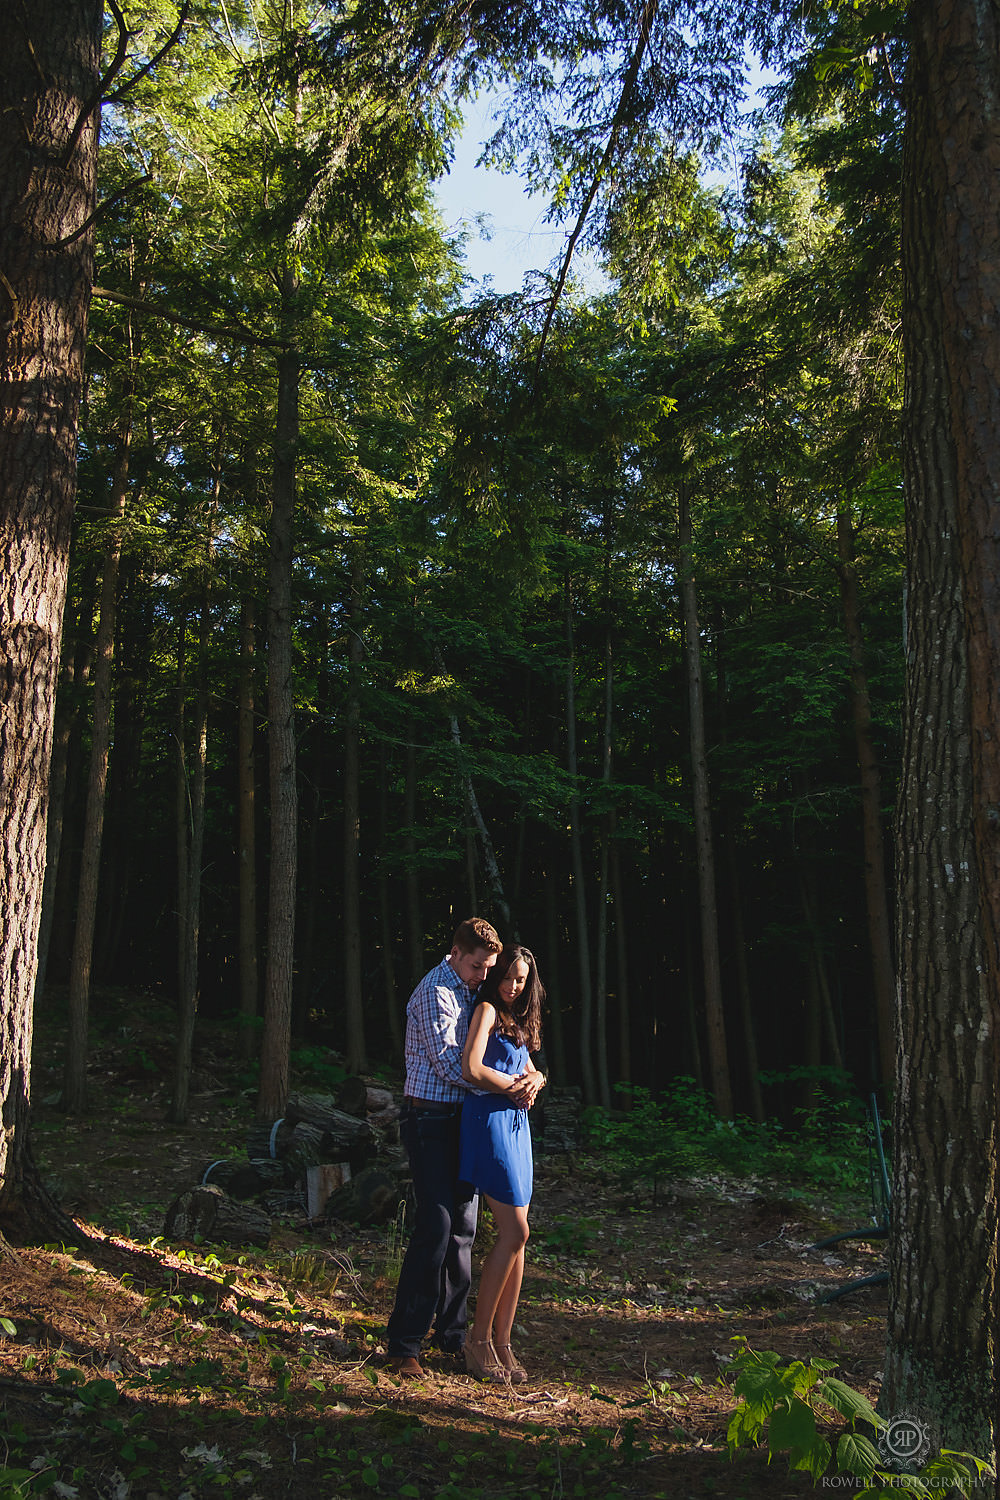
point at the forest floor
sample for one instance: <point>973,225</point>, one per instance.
<point>130,1367</point>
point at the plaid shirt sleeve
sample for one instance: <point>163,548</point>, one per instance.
<point>437,1022</point>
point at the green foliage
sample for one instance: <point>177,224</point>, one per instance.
<point>677,1134</point>
<point>569,1236</point>
<point>782,1403</point>
<point>313,1066</point>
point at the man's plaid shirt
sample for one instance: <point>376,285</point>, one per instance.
<point>437,1022</point>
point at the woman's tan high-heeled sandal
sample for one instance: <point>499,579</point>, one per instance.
<point>516,1373</point>
<point>481,1361</point>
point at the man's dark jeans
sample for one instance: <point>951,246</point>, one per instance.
<point>437,1269</point>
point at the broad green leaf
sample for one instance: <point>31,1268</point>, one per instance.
<point>849,1402</point>
<point>815,1459</point>
<point>792,1426</point>
<point>856,1455</point>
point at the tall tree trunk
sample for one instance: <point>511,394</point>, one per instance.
<point>354,1011</point>
<point>743,986</point>
<point>585,1039</point>
<point>942,1330</point>
<point>555,1041</point>
<point>601,1016</point>
<point>389,934</point>
<point>715,1024</point>
<point>49,69</point>
<point>193,835</point>
<point>621,963</point>
<point>827,1017</point>
<point>276,1043</point>
<point>411,885</point>
<point>247,794</point>
<point>876,890</point>
<point>75,672</point>
<point>74,1097</point>
<point>478,824</point>
<point>133,675</point>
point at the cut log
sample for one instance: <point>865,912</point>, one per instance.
<point>372,1197</point>
<point>378,1100</point>
<point>306,1148</point>
<point>344,1138</point>
<point>269,1140</point>
<point>321,1182</point>
<point>241,1179</point>
<point>352,1097</point>
<point>207,1213</point>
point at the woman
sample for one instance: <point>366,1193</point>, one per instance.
<point>496,1148</point>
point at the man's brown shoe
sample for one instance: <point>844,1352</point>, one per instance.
<point>405,1365</point>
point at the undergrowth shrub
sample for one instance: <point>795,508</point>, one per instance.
<point>781,1404</point>
<point>677,1134</point>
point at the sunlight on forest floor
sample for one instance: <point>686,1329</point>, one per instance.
<point>133,1368</point>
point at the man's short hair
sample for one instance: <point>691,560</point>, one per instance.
<point>475,933</point>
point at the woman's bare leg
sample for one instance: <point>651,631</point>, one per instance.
<point>500,1278</point>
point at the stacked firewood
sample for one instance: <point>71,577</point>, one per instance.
<point>329,1156</point>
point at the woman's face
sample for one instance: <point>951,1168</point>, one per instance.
<point>513,982</point>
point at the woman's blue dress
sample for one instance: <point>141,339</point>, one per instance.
<point>496,1138</point>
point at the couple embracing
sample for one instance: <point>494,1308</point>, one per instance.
<point>471,1025</point>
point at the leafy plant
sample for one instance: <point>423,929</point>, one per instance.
<point>569,1236</point>
<point>781,1403</point>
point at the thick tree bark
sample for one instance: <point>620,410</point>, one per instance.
<point>276,1044</point>
<point>49,67</point>
<point>77,1043</point>
<point>876,888</point>
<point>943,1246</point>
<point>715,1024</point>
<point>354,1011</point>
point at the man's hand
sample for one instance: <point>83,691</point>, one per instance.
<point>529,1086</point>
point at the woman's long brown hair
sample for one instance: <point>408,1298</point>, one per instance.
<point>523,1020</point>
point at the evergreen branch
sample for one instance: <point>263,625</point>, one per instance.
<point>237,331</point>
<point>646,18</point>
<point>117,63</point>
<point>119,94</point>
<point>107,203</point>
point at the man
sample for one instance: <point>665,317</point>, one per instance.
<point>437,1269</point>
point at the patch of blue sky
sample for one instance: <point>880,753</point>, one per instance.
<point>505,230</point>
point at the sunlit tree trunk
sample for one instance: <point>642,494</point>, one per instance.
<point>49,66</point>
